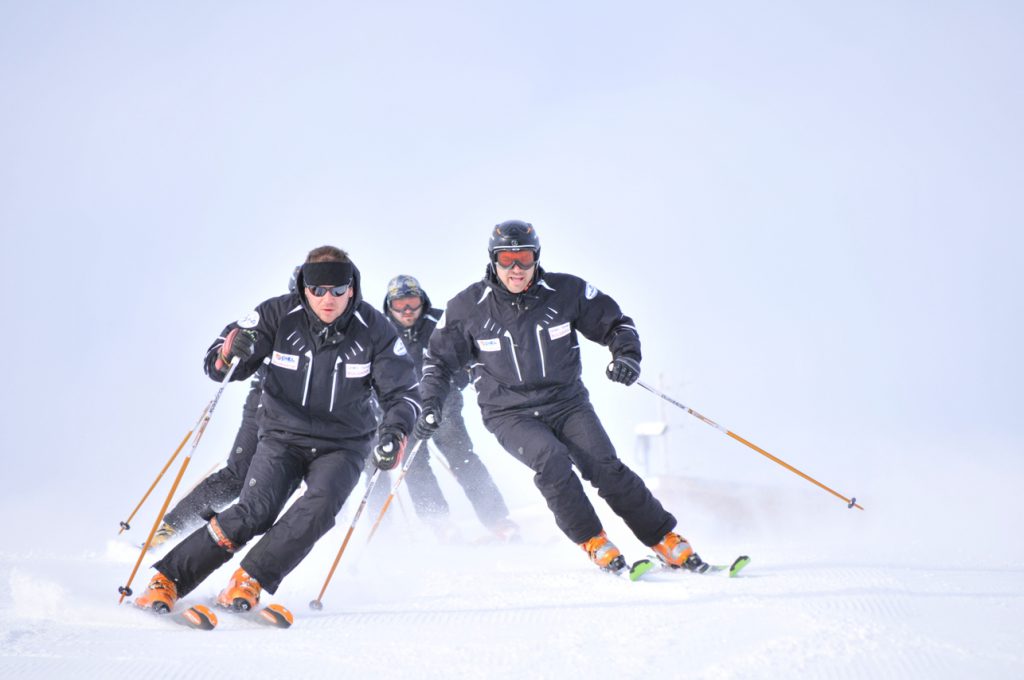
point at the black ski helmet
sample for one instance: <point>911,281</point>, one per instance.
<point>513,235</point>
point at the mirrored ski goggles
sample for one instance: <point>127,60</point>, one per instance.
<point>507,259</point>
<point>336,291</point>
<point>406,304</point>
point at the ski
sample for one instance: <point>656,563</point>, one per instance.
<point>197,617</point>
<point>634,572</point>
<point>639,568</point>
<point>274,615</point>
<point>731,570</point>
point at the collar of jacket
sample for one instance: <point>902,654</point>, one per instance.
<point>338,326</point>
<point>328,332</point>
<point>412,333</point>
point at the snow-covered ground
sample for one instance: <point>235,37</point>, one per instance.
<point>914,586</point>
<point>811,210</point>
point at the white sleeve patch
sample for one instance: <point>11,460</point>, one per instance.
<point>250,320</point>
<point>400,348</point>
<point>590,292</point>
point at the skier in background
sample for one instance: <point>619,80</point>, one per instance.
<point>518,329</point>
<point>220,489</point>
<point>327,349</point>
<point>407,306</point>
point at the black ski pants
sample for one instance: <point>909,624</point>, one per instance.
<point>453,441</point>
<point>330,470</point>
<point>551,441</point>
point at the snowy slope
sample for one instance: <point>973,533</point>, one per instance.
<point>817,601</point>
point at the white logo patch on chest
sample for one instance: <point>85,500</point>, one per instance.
<point>590,292</point>
<point>489,344</point>
<point>289,361</point>
<point>400,348</point>
<point>560,331</point>
<point>357,370</point>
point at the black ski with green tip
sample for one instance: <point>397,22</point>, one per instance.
<point>620,567</point>
<point>639,568</point>
<point>730,570</point>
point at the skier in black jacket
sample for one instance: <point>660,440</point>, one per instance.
<point>220,489</point>
<point>327,349</point>
<point>407,306</point>
<point>517,328</point>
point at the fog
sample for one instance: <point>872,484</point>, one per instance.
<point>811,210</point>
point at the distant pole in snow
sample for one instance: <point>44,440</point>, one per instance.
<point>850,502</point>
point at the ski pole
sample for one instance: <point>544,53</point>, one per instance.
<point>206,474</point>
<point>850,502</point>
<point>126,589</point>
<point>318,604</point>
<point>394,488</point>
<point>126,524</point>
<point>444,462</point>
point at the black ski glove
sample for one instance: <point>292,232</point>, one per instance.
<point>239,345</point>
<point>623,370</point>
<point>429,420</point>
<point>390,446</point>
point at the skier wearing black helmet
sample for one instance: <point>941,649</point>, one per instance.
<point>518,330</point>
<point>407,306</point>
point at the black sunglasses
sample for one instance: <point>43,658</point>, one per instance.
<point>336,291</point>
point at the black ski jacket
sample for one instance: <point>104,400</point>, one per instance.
<point>523,350</point>
<point>319,377</point>
<point>418,335</point>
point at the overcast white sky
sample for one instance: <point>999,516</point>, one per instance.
<point>811,209</point>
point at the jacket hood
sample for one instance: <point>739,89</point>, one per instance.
<point>342,321</point>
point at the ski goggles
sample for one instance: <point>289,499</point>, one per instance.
<point>507,259</point>
<point>405,304</point>
<point>336,291</point>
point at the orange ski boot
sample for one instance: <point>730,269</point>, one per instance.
<point>160,595</point>
<point>242,593</point>
<point>604,554</point>
<point>675,551</point>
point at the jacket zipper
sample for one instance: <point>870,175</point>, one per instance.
<point>540,348</point>
<point>309,374</point>
<point>334,381</point>
<point>512,348</point>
